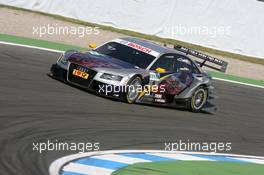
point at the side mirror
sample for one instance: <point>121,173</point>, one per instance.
<point>92,45</point>
<point>160,70</point>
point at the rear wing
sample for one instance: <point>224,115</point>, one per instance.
<point>221,65</point>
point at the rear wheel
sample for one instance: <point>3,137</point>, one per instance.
<point>133,89</point>
<point>198,99</point>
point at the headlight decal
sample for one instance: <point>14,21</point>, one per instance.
<point>113,77</point>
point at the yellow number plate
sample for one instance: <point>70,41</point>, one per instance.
<point>79,73</point>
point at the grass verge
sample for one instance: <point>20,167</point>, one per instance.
<point>191,168</point>
<point>236,78</point>
<point>38,43</point>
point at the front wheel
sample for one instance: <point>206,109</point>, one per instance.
<point>133,89</point>
<point>198,99</point>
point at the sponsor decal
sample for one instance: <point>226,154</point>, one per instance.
<point>140,48</point>
<point>137,47</point>
<point>153,76</point>
<point>160,100</point>
<point>80,73</point>
<point>159,96</point>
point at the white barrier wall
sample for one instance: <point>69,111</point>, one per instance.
<point>231,25</point>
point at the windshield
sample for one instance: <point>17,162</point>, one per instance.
<point>127,54</point>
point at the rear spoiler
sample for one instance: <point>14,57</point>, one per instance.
<point>222,65</point>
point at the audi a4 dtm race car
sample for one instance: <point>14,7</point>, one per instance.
<point>139,71</point>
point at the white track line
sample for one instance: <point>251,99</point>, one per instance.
<point>238,82</point>
<point>257,161</point>
<point>60,51</point>
<point>120,158</point>
<point>86,169</point>
<point>31,47</point>
<point>177,156</point>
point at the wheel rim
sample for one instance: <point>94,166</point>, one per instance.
<point>199,99</point>
<point>133,89</point>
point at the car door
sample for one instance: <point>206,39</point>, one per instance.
<point>177,72</point>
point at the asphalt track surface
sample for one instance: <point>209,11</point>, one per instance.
<point>34,108</point>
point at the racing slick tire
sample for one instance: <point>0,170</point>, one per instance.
<point>132,92</point>
<point>198,99</point>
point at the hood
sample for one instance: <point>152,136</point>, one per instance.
<point>95,60</point>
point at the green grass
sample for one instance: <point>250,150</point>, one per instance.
<point>38,43</point>
<point>150,37</point>
<point>236,78</point>
<point>191,168</point>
